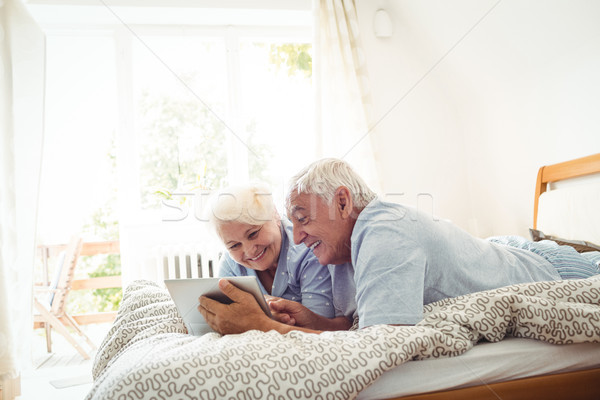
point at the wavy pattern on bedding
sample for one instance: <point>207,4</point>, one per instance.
<point>147,355</point>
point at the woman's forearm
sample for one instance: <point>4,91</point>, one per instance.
<point>320,324</point>
<point>333,324</point>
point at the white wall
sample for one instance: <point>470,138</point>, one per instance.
<point>474,96</point>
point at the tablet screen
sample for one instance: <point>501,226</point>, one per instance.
<point>186,292</point>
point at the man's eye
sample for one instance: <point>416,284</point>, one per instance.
<point>303,220</point>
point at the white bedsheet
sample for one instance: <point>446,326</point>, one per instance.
<point>486,363</point>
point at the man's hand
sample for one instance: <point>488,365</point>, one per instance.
<point>278,316</point>
<point>292,313</point>
<point>295,314</point>
<point>240,316</point>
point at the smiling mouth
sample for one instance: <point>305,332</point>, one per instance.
<point>314,245</point>
<point>258,257</point>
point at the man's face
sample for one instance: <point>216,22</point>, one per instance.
<point>320,227</point>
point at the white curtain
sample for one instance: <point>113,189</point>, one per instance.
<point>22,65</point>
<point>342,89</point>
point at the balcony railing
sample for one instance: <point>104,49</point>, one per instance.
<point>88,249</point>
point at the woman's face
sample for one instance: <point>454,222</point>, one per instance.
<point>253,246</point>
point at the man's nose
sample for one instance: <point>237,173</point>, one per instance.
<point>299,234</point>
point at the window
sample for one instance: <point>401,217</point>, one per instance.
<point>77,177</point>
<point>180,108</point>
<point>145,103</point>
<point>214,107</point>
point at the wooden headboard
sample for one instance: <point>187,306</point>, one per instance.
<point>565,170</point>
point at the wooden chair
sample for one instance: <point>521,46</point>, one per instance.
<point>50,301</point>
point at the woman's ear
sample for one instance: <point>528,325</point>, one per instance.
<point>343,201</point>
<point>276,217</point>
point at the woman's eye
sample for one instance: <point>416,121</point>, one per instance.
<point>253,235</point>
<point>235,246</point>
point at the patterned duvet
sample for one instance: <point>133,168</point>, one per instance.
<point>148,355</point>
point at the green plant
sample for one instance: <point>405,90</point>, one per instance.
<point>296,58</point>
<point>102,225</point>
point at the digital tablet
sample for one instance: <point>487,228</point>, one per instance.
<point>186,292</point>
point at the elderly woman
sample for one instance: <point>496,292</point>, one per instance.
<point>259,243</point>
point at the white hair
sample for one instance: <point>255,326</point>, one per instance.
<point>324,177</point>
<point>249,204</point>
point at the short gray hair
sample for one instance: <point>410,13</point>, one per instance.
<point>324,176</point>
<point>249,204</point>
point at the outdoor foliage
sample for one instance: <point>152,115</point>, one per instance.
<point>295,58</point>
<point>184,147</point>
<point>103,226</point>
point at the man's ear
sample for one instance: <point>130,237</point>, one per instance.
<point>343,201</point>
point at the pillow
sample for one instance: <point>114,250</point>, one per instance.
<point>579,245</point>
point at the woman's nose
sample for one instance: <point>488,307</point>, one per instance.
<point>249,250</point>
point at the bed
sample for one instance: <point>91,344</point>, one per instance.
<point>539,339</point>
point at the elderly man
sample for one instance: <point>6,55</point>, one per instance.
<point>391,259</point>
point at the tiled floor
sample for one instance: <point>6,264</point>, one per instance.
<point>64,366</point>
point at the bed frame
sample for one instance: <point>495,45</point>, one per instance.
<point>561,171</point>
<point>571,385</point>
<point>577,385</point>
